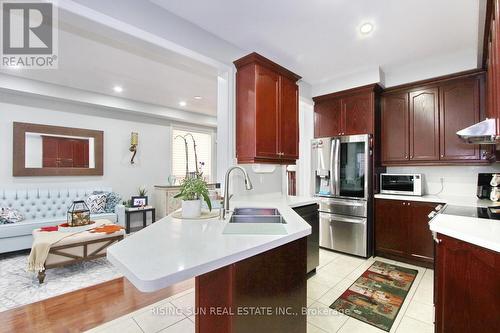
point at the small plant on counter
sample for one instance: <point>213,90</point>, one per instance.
<point>192,191</point>
<point>142,191</point>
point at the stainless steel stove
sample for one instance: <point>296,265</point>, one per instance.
<point>478,212</point>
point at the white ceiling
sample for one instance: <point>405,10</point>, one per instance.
<point>95,58</point>
<point>319,39</point>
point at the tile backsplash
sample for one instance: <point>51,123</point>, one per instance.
<point>457,180</point>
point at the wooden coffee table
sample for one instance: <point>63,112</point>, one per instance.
<point>80,247</point>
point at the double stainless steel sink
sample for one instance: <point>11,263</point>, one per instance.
<point>256,221</point>
<point>256,215</point>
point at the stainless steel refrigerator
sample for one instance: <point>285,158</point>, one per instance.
<point>341,173</point>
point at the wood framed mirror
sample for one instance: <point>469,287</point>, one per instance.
<point>43,150</point>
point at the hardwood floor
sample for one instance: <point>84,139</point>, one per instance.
<point>84,309</point>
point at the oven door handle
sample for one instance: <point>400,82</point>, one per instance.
<point>337,218</point>
<point>344,202</point>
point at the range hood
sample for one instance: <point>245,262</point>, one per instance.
<point>481,133</point>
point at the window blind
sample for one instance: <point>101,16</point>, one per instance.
<point>203,147</point>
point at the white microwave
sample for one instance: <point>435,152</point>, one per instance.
<point>402,184</point>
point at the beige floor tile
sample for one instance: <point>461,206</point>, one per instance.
<point>185,303</point>
<point>326,257</point>
<point>151,322</point>
<point>424,293</point>
<point>356,326</point>
<point>326,278</point>
<point>331,296</point>
<point>315,290</point>
<point>184,326</point>
<point>310,302</point>
<point>127,325</point>
<point>420,311</point>
<point>313,329</point>
<point>339,268</point>
<point>322,316</point>
<point>410,325</point>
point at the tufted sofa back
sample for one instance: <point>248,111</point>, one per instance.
<point>44,203</point>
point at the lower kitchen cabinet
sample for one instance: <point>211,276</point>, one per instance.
<point>402,231</point>
<point>467,287</point>
<point>310,214</point>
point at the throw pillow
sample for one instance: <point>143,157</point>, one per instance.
<point>11,215</point>
<point>4,221</point>
<point>112,200</point>
<point>96,203</point>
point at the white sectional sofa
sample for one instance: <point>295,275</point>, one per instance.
<point>44,207</point>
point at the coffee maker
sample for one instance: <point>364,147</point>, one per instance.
<point>484,186</point>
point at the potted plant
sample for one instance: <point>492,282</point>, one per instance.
<point>192,191</point>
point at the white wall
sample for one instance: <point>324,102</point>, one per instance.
<point>306,130</point>
<point>457,180</point>
<point>152,165</point>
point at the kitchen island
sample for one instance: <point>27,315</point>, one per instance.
<point>244,282</point>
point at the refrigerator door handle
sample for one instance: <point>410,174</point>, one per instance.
<point>332,167</point>
<point>336,162</point>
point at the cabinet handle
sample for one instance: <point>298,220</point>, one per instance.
<point>442,155</point>
<point>434,236</point>
<point>409,203</point>
<point>404,203</point>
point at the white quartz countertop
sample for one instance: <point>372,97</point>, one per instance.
<point>447,199</point>
<point>481,232</point>
<point>172,250</point>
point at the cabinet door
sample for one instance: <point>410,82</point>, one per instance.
<point>459,108</point>
<point>468,287</point>
<point>395,128</point>
<point>420,243</point>
<point>267,113</point>
<point>357,114</point>
<point>289,119</point>
<point>327,118</point>
<point>424,125</point>
<point>391,230</point>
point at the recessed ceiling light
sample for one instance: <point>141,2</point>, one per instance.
<point>366,28</point>
<point>117,89</point>
<point>182,103</point>
<point>197,97</point>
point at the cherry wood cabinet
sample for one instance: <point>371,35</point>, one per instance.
<point>467,287</point>
<point>348,112</point>
<point>328,118</point>
<point>459,106</point>
<point>402,231</point>
<point>58,152</point>
<point>491,60</point>
<point>395,136</point>
<point>419,121</point>
<point>267,117</point>
<point>424,125</point>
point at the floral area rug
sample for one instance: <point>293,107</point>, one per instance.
<point>19,287</point>
<point>376,296</point>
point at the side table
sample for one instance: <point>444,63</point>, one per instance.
<point>144,211</point>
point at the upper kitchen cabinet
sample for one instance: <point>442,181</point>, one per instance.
<point>267,117</point>
<point>459,106</point>
<point>419,121</point>
<point>346,112</point>
<point>395,129</point>
<point>424,125</point>
<point>491,59</point>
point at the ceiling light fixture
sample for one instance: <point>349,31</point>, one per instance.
<point>117,89</point>
<point>366,28</point>
<point>182,103</point>
<point>198,97</point>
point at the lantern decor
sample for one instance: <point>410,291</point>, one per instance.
<point>78,214</point>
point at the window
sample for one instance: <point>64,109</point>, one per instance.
<point>203,148</point>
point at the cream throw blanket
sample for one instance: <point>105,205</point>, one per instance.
<point>42,242</point>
